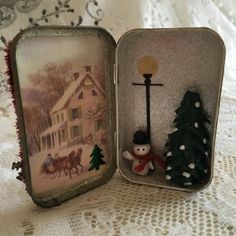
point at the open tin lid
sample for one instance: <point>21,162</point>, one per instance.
<point>65,103</point>
<point>77,107</point>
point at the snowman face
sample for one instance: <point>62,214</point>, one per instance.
<point>141,149</point>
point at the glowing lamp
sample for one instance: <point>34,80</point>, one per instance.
<point>147,66</point>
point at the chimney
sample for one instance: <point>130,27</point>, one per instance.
<point>75,76</point>
<point>88,69</point>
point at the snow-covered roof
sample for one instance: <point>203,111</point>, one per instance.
<point>71,90</point>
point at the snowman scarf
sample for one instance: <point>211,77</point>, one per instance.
<point>146,159</point>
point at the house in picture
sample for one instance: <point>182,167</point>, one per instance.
<point>78,116</point>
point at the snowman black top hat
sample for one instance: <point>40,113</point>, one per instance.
<point>140,137</point>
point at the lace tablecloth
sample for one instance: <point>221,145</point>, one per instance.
<point>118,207</point>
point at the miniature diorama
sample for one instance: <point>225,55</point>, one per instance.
<point>175,67</point>
<point>187,160</point>
<point>64,106</point>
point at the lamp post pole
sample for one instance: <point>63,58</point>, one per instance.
<point>147,83</point>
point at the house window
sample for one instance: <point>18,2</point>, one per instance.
<point>81,96</point>
<point>99,124</point>
<point>94,93</point>
<point>58,118</point>
<point>76,131</point>
<point>75,113</point>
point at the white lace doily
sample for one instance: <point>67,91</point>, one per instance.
<point>118,207</point>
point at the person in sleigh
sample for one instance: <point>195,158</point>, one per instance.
<point>142,156</point>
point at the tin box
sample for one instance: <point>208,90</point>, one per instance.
<point>78,108</point>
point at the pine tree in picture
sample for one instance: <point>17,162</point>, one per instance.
<point>96,158</point>
<point>188,155</point>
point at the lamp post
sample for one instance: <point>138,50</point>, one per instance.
<point>147,67</point>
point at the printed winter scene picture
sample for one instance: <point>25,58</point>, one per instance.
<point>62,83</point>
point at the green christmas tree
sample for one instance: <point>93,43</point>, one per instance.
<point>188,155</point>
<point>96,160</point>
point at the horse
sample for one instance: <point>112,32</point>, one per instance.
<point>73,160</point>
<point>59,164</point>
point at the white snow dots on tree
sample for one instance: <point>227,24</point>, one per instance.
<point>188,160</point>
<point>169,154</point>
<point>168,177</point>
<point>175,129</point>
<point>186,174</point>
<point>197,104</point>
<point>206,153</point>
<point>168,168</point>
<point>191,166</point>
<point>205,171</point>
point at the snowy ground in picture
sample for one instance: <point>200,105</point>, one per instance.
<point>45,184</point>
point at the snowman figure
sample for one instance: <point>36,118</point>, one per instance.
<point>142,156</point>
